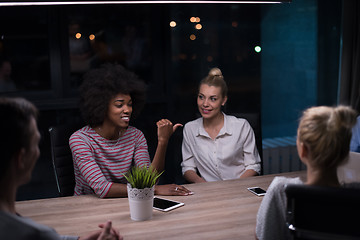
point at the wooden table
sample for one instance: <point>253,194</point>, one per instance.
<point>217,210</point>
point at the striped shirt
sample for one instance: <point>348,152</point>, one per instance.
<point>99,162</point>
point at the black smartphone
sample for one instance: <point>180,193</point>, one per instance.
<point>257,191</point>
<point>166,205</point>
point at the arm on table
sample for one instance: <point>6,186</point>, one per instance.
<point>249,173</point>
<point>192,177</point>
<point>188,164</point>
<point>117,190</point>
<point>252,158</point>
<point>120,190</point>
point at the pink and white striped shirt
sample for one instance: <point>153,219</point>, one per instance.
<point>99,162</point>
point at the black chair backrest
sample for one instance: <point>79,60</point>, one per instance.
<point>315,212</point>
<point>62,158</point>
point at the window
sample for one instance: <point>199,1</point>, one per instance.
<point>114,33</point>
<point>24,49</point>
<point>207,36</point>
<point>299,62</point>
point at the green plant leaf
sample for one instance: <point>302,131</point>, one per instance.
<point>142,177</point>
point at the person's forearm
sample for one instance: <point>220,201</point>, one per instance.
<point>193,177</point>
<point>249,173</point>
<point>159,158</point>
<point>117,190</point>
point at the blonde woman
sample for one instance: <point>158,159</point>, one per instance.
<point>217,146</point>
<point>323,142</point>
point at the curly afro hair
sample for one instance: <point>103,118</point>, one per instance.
<point>102,84</point>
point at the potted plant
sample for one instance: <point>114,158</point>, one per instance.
<point>140,188</point>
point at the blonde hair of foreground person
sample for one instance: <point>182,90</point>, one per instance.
<point>326,132</point>
<point>323,143</point>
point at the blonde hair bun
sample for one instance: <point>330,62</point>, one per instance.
<point>326,132</point>
<point>343,116</point>
<point>215,72</point>
<point>215,78</point>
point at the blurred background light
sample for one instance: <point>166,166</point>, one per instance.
<point>198,26</point>
<point>172,24</point>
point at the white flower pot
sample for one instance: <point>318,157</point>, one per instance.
<point>141,203</point>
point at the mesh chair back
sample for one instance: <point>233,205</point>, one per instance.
<point>315,212</point>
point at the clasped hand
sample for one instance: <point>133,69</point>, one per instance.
<point>107,232</point>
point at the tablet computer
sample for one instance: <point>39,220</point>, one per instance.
<point>166,205</point>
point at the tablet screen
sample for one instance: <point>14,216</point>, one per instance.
<point>165,204</point>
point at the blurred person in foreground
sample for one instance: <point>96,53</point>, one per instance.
<point>323,140</point>
<point>19,152</point>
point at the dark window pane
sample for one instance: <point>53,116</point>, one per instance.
<point>24,44</point>
<point>114,33</point>
<point>224,36</point>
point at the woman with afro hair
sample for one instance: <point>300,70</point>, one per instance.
<point>107,147</point>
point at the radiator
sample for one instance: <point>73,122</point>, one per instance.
<point>280,155</point>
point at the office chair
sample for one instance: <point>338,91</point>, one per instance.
<point>315,212</point>
<point>62,158</point>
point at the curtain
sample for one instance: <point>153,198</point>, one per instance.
<point>349,92</point>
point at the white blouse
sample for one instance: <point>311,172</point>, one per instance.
<point>227,157</point>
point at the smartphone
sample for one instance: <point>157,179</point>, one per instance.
<point>257,191</point>
<point>166,205</point>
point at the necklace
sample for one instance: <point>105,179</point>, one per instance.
<point>108,142</point>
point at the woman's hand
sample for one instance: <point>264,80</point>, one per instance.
<point>166,129</point>
<point>172,190</point>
